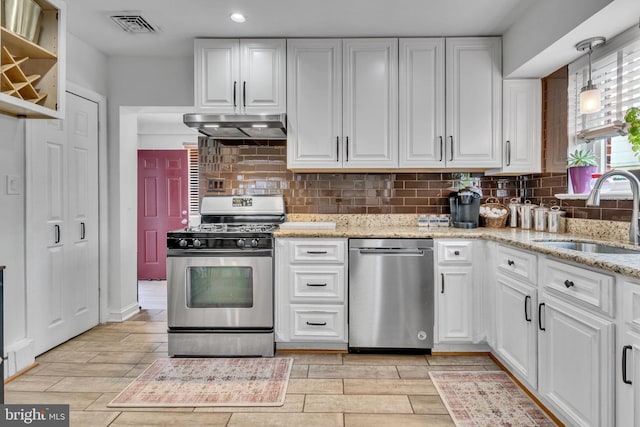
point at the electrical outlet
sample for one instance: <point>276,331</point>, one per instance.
<point>215,185</point>
<point>14,186</point>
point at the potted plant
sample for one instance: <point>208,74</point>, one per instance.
<point>632,117</point>
<point>582,163</point>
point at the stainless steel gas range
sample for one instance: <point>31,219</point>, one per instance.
<point>220,278</point>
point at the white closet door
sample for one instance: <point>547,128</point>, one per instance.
<point>62,225</point>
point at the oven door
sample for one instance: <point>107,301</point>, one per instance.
<point>221,290</point>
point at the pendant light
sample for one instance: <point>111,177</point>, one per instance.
<point>590,96</point>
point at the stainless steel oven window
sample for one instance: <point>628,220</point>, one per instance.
<point>219,287</point>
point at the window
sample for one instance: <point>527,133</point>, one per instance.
<point>616,71</point>
<point>194,180</point>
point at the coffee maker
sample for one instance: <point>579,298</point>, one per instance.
<point>465,208</point>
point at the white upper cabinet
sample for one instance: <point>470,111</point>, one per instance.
<point>240,76</point>
<point>473,102</point>
<point>33,69</point>
<point>342,104</point>
<point>314,103</point>
<point>370,100</point>
<point>421,107</point>
<point>522,123</point>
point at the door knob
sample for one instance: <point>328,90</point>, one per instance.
<point>184,221</point>
<point>184,212</point>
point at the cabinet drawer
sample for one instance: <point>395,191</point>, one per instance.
<point>517,263</point>
<point>454,251</point>
<point>317,284</point>
<point>317,251</point>
<point>318,323</point>
<point>579,284</point>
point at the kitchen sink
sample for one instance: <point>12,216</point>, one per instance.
<point>599,248</point>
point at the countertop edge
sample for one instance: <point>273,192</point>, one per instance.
<point>626,265</point>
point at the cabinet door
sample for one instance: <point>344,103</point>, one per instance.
<point>522,150</point>
<point>421,107</point>
<point>314,103</point>
<point>370,125</point>
<point>262,70</point>
<point>629,380</point>
<point>217,75</point>
<point>454,287</point>
<point>576,363</point>
<point>516,331</point>
<point>474,98</point>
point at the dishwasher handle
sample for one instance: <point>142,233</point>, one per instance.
<point>390,251</point>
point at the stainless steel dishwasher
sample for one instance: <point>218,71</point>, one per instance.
<point>391,295</point>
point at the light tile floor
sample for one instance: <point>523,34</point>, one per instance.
<point>325,390</point>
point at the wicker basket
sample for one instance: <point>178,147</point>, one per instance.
<point>494,221</point>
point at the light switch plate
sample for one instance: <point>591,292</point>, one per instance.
<point>14,186</point>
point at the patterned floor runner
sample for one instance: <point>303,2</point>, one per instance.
<point>209,382</point>
<point>488,399</point>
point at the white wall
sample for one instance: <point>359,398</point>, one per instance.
<point>86,66</point>
<point>134,82</point>
<point>12,229</point>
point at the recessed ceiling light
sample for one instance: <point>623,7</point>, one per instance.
<point>237,17</point>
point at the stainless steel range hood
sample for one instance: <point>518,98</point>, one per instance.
<point>239,126</point>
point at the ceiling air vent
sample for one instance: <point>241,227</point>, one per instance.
<point>133,22</point>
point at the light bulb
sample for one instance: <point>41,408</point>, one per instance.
<point>237,17</point>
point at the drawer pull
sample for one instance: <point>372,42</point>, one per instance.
<point>316,284</point>
<point>456,253</point>
<point>540,317</point>
<point>317,323</point>
<point>317,252</point>
<point>526,308</point>
<point>568,283</point>
<point>442,283</point>
<point>624,364</point>
<point>510,262</point>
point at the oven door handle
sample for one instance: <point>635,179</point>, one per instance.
<point>201,253</point>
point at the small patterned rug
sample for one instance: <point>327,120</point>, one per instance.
<point>488,399</point>
<point>209,382</point>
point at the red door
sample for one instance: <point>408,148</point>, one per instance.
<point>162,206</point>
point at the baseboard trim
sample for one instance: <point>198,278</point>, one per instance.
<point>21,372</point>
<point>124,314</point>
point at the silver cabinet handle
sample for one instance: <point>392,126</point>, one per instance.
<point>451,143</point>
<point>235,104</point>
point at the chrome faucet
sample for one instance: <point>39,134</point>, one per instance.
<point>594,199</point>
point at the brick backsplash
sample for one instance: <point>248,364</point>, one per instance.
<point>260,168</point>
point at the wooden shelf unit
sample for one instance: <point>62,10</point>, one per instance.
<point>31,84</point>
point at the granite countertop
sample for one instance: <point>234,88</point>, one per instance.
<point>625,264</point>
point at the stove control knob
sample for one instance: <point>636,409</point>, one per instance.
<point>197,243</point>
<point>182,243</point>
<point>254,243</point>
<point>240,243</point>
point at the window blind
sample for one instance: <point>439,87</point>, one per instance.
<point>194,180</point>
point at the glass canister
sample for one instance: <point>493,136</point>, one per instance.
<point>526,214</point>
<point>555,221</point>
<point>540,218</point>
<point>513,207</point>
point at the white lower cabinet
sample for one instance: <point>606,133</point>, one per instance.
<point>454,289</point>
<point>576,363</point>
<point>628,354</point>
<point>310,293</point>
<point>516,332</point>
